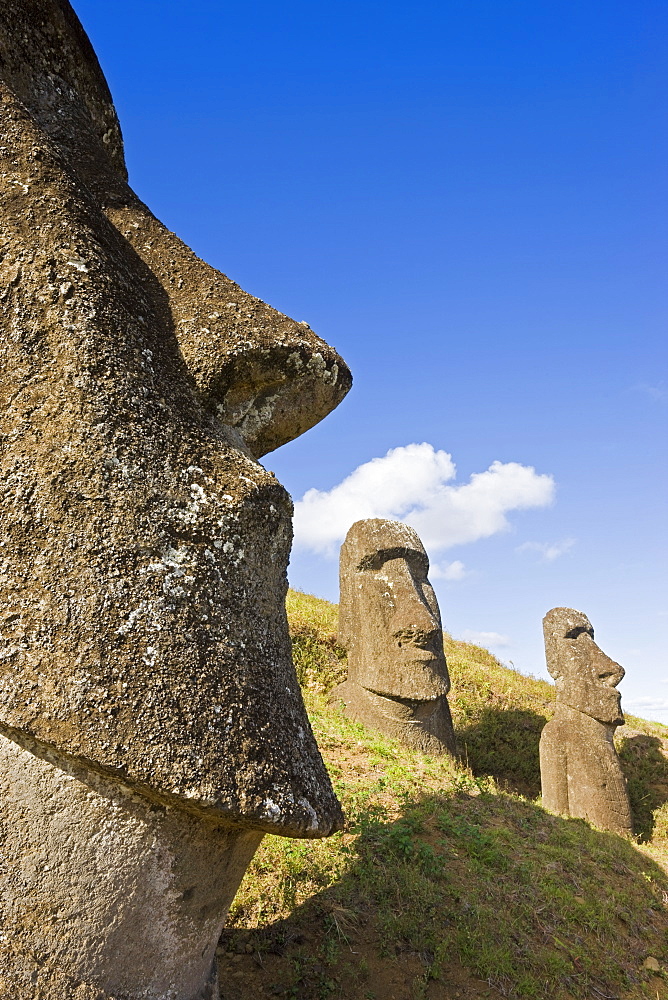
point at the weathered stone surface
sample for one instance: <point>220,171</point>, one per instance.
<point>143,637</point>
<point>107,884</point>
<point>144,548</point>
<point>390,624</point>
<point>580,770</point>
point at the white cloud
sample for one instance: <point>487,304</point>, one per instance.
<point>486,639</point>
<point>548,551</point>
<point>658,392</point>
<point>409,484</point>
<point>448,571</point>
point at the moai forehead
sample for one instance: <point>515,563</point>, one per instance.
<point>371,542</point>
<point>560,624</point>
<point>585,676</point>
<point>368,545</point>
<point>144,548</point>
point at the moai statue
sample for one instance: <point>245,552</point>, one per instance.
<point>151,724</point>
<point>579,767</point>
<point>390,624</point>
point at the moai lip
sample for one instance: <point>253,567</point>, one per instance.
<point>580,770</point>
<point>144,649</point>
<point>390,624</point>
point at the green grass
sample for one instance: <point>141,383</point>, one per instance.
<point>450,879</point>
<point>319,661</point>
<point>498,715</point>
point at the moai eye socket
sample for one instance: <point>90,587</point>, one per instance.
<point>577,631</point>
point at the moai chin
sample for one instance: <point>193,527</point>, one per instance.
<point>579,767</point>
<point>151,724</point>
<point>390,624</point>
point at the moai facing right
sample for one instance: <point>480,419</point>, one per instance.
<point>390,624</point>
<point>579,767</point>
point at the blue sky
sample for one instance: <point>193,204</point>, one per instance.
<point>468,200</point>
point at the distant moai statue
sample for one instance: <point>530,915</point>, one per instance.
<point>390,624</point>
<point>579,767</point>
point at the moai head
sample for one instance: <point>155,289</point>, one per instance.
<point>144,549</point>
<point>388,614</point>
<point>585,677</point>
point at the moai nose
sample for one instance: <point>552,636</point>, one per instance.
<point>413,622</point>
<point>607,671</point>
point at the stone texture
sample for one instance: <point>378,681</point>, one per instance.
<point>390,624</point>
<point>580,770</point>
<point>143,637</point>
<point>118,889</point>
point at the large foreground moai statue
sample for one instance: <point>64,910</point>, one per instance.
<point>390,624</point>
<point>579,767</point>
<point>151,725</point>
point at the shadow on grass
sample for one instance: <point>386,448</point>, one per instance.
<point>646,769</point>
<point>504,744</point>
<point>471,894</point>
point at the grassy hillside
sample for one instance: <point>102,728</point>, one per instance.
<point>450,880</point>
